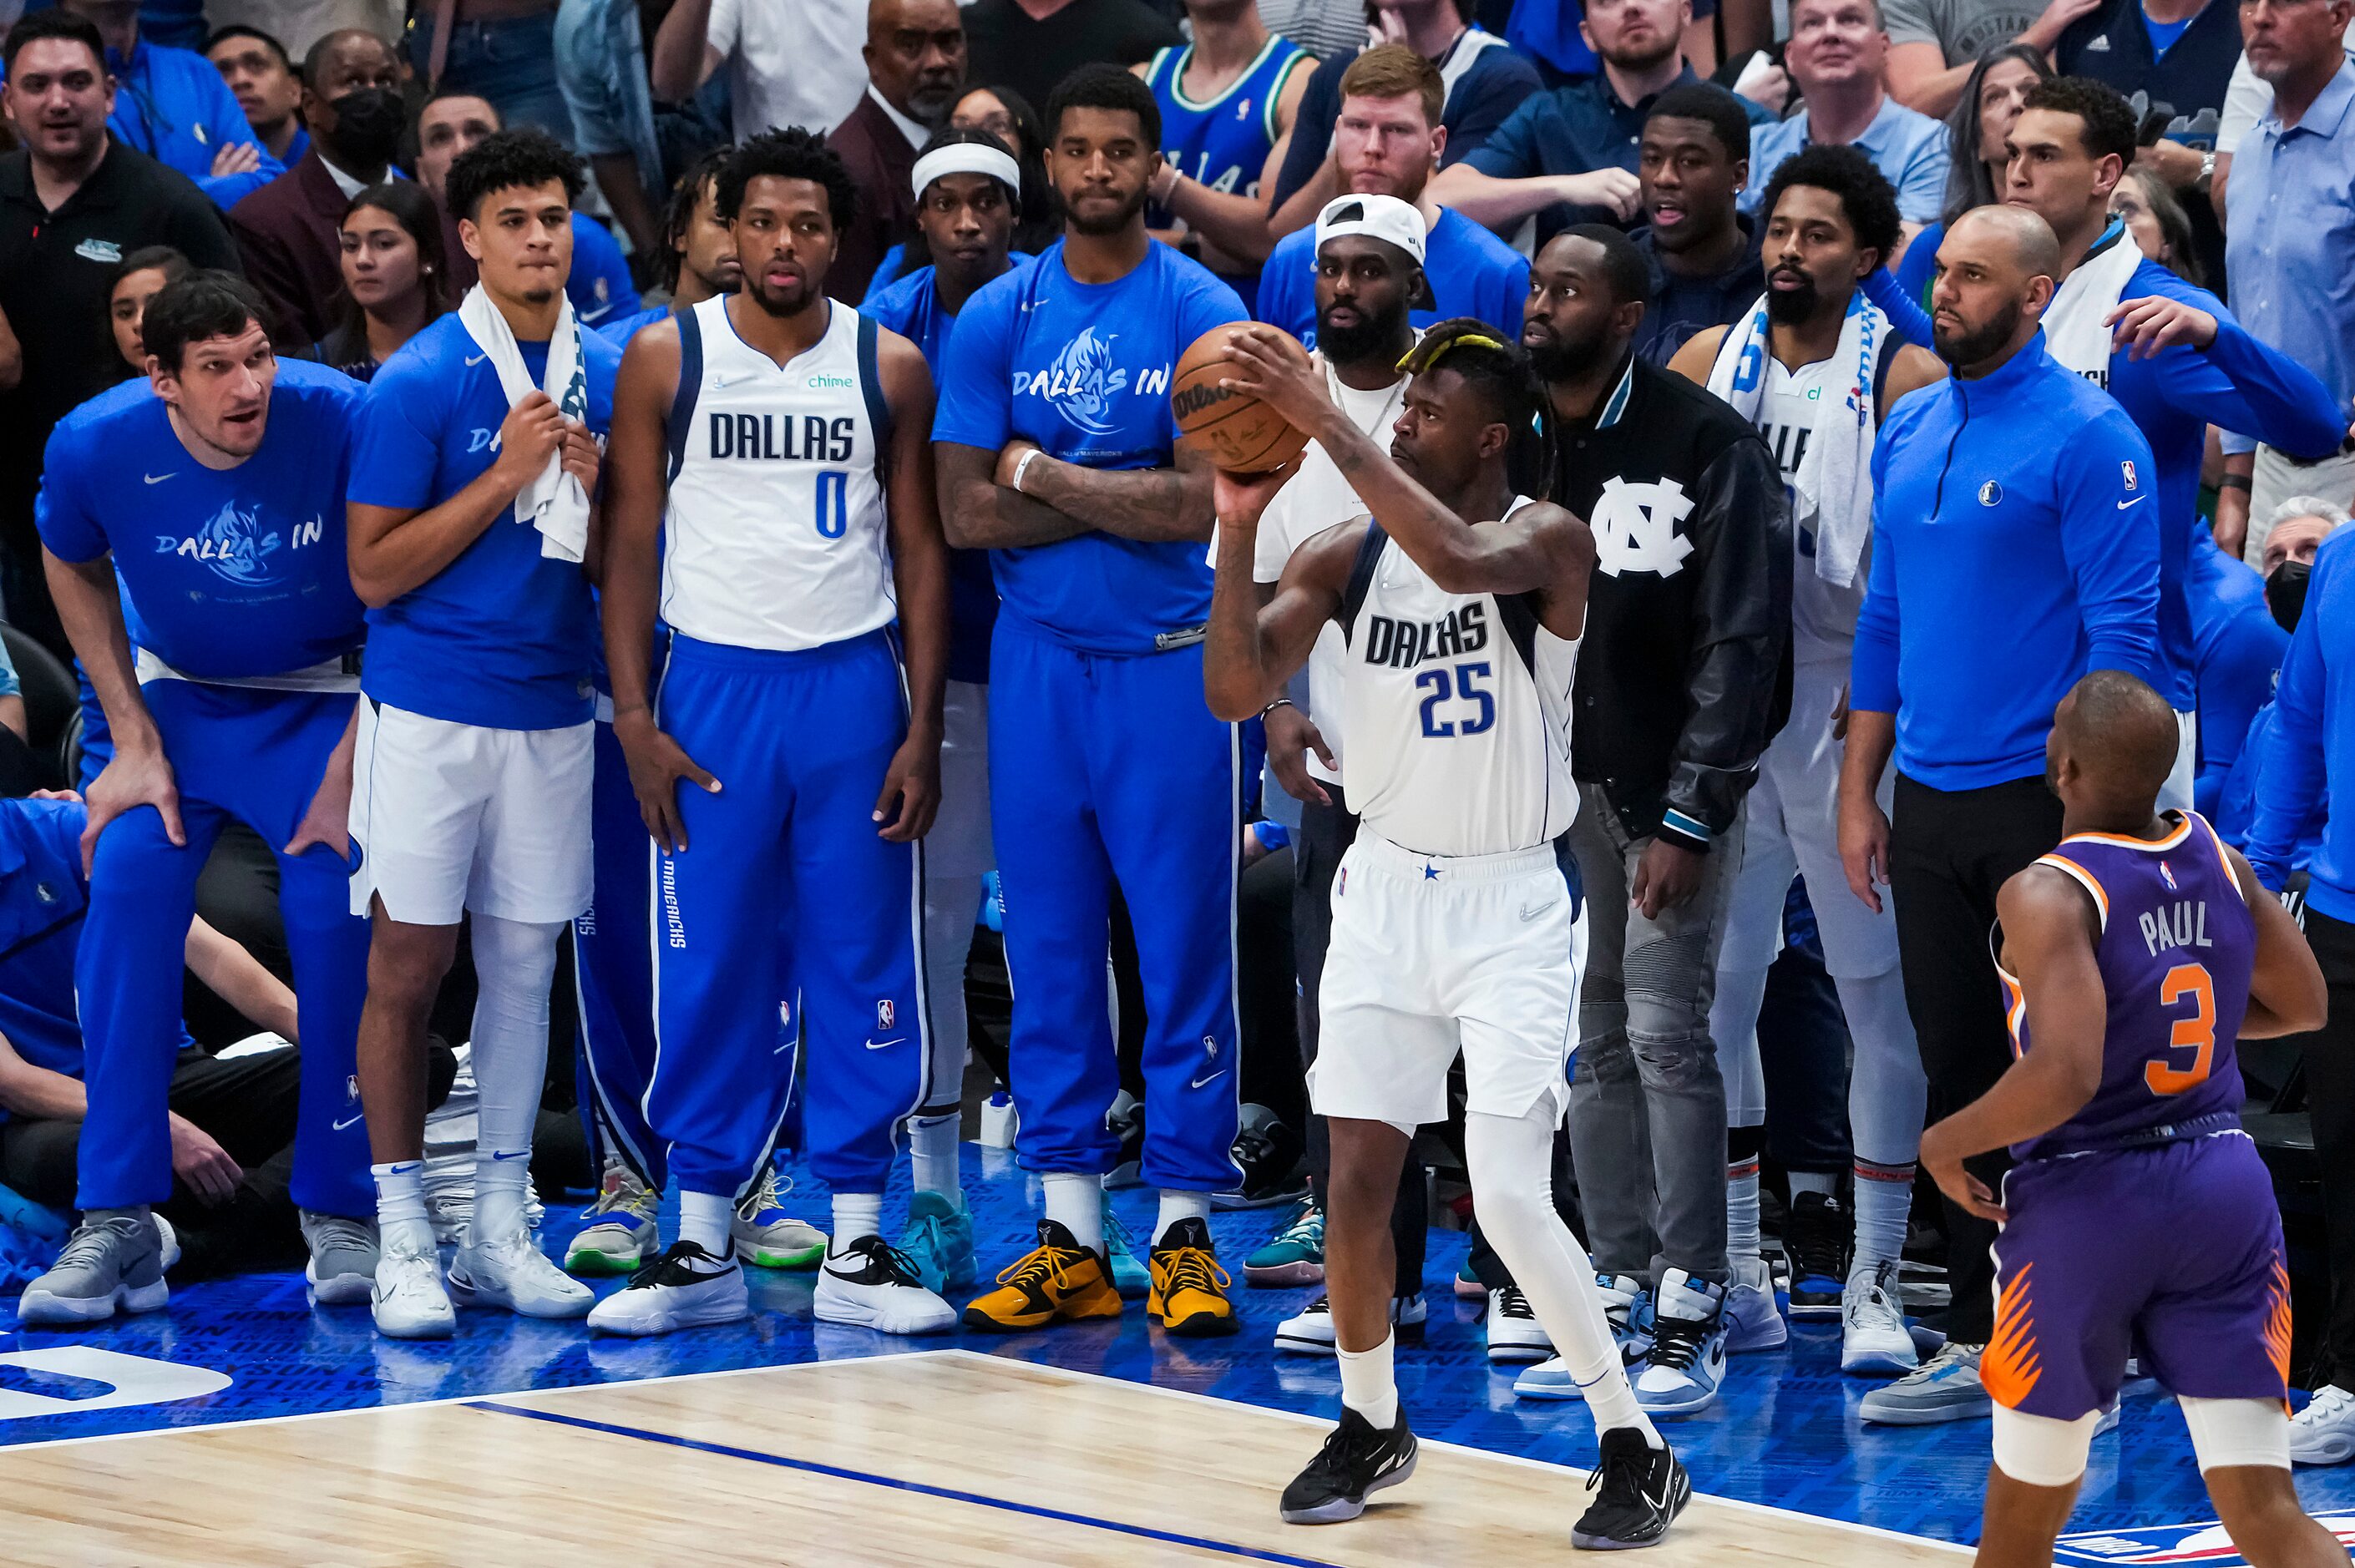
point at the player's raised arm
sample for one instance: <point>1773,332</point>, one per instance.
<point>1249,651</point>
<point>2286,993</point>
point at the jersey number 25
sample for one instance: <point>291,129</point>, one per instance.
<point>1462,684</point>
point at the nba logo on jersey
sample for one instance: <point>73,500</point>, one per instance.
<point>2166,875</point>
<point>884,1013</point>
<point>2129,470</point>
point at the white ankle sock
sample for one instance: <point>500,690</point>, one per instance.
<point>502,1191</point>
<point>401,1206</point>
<point>1369,1385</point>
<point>1176,1207</point>
<point>1076,1203</point>
<point>704,1218</point>
<point>933,1152</point>
<point>1742,1211</point>
<point>1827,1183</point>
<point>1885,1201</point>
<point>855,1214</point>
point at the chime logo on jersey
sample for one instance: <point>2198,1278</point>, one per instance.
<point>1635,527</point>
<point>239,546</point>
<point>2203,1545</point>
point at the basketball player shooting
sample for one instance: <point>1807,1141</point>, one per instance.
<point>2140,1220</point>
<point>1456,923</point>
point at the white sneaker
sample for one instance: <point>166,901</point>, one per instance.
<point>1515,1335</point>
<point>869,1285</point>
<point>167,1242</point>
<point>511,1271</point>
<point>1309,1333</point>
<point>409,1302</point>
<point>1753,1321</point>
<point>2324,1432</point>
<point>1627,1307</point>
<point>1687,1363</point>
<point>687,1287</point>
<point>1873,1335</point>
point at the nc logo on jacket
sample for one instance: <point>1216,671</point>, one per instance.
<point>1635,527</point>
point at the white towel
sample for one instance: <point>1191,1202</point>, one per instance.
<point>1833,489</point>
<point>554,502</point>
<point>2076,324</point>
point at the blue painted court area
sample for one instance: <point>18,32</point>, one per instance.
<point>1787,1433</point>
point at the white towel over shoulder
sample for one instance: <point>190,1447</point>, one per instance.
<point>554,502</point>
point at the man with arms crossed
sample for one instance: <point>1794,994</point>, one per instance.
<point>471,785</point>
<point>1457,924</point>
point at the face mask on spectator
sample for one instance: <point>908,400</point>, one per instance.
<point>369,121</point>
<point>2285,592</point>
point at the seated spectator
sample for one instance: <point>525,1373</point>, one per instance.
<point>2237,651</point>
<point>1482,82</point>
<point>139,278</point>
<point>291,231</point>
<point>1569,155</point>
<point>1033,45</point>
<point>2298,527</point>
<point>915,73</point>
<point>1836,59</point>
<point>1007,115</point>
<point>232,1121</point>
<point>1702,252</point>
<point>1936,45</point>
<point>260,77</point>
<point>2146,205</point>
<point>1332,30</point>
<point>171,105</point>
<point>1548,32</point>
<point>696,259</point>
<point>2181,54</point>
<point>1992,101</point>
<point>1387,143</point>
<point>600,69</point>
<point>396,279</point>
<point>599,284</point>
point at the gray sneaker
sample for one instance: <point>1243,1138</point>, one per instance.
<point>1946,1387</point>
<point>342,1270</point>
<point>114,1258</point>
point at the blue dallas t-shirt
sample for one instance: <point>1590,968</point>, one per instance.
<point>503,637</point>
<point>1472,273</point>
<point>599,285</point>
<point>1083,370</point>
<point>227,573</point>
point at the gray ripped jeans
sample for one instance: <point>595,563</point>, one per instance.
<point>1647,1103</point>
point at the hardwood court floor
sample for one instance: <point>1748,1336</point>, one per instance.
<point>929,1460</point>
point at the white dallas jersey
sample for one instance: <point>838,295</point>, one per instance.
<point>1454,711</point>
<point>776,532</point>
<point>1823,615</point>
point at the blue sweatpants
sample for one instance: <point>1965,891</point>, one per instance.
<point>257,757</point>
<point>785,877</point>
<point>613,969</point>
<point>1105,770</point>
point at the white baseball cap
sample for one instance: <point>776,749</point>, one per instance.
<point>1376,216</point>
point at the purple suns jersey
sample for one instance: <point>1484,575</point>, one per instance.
<point>2176,943</point>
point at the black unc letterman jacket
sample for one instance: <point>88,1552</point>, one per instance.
<point>1685,674</point>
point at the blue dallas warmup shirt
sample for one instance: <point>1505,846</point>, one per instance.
<point>1083,370</point>
<point>42,901</point>
<point>502,637</point>
<point>2014,531</point>
<point>599,285</point>
<point>232,573</point>
<point>2235,382</point>
<point>2309,748</point>
<point>1472,273</point>
<point>2241,651</point>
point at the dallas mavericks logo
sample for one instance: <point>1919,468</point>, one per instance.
<point>237,546</point>
<point>1082,382</point>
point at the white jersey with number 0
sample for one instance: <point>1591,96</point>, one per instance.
<point>1456,711</point>
<point>775,536</point>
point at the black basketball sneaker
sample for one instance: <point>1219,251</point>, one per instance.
<point>1358,1458</point>
<point>1643,1490</point>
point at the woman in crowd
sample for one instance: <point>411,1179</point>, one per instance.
<point>396,278</point>
<point>2157,222</point>
<point>1983,117</point>
<point>139,278</point>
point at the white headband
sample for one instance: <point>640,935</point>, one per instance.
<point>967,158</point>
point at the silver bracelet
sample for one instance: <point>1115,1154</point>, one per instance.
<point>1023,467</point>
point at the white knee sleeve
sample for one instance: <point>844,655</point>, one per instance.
<point>2042,1451</point>
<point>513,965</point>
<point>2228,1432</point>
<point>1733,1025</point>
<point>1887,1089</point>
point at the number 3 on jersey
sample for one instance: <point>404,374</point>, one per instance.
<point>1461,685</point>
<point>2195,1034</point>
<point>833,504</point>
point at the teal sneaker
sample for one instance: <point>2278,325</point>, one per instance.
<point>1295,1256</point>
<point>1130,1277</point>
<point>939,1241</point>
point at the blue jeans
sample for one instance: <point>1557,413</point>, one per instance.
<point>511,63</point>
<point>600,68</point>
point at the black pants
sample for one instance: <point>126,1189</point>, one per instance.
<point>248,1106</point>
<point>1326,834</point>
<point>2328,1055</point>
<point>1267,991</point>
<point>1949,851</point>
<point>1804,1054</point>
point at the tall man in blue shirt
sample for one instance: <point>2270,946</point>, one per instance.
<point>1054,445</point>
<point>470,519</point>
<point>2291,227</point>
<point>213,493</point>
<point>2013,517</point>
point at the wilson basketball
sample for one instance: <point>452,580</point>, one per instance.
<point>1234,429</point>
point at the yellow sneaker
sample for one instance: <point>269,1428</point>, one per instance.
<point>1189,1288</point>
<point>1059,1281</point>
